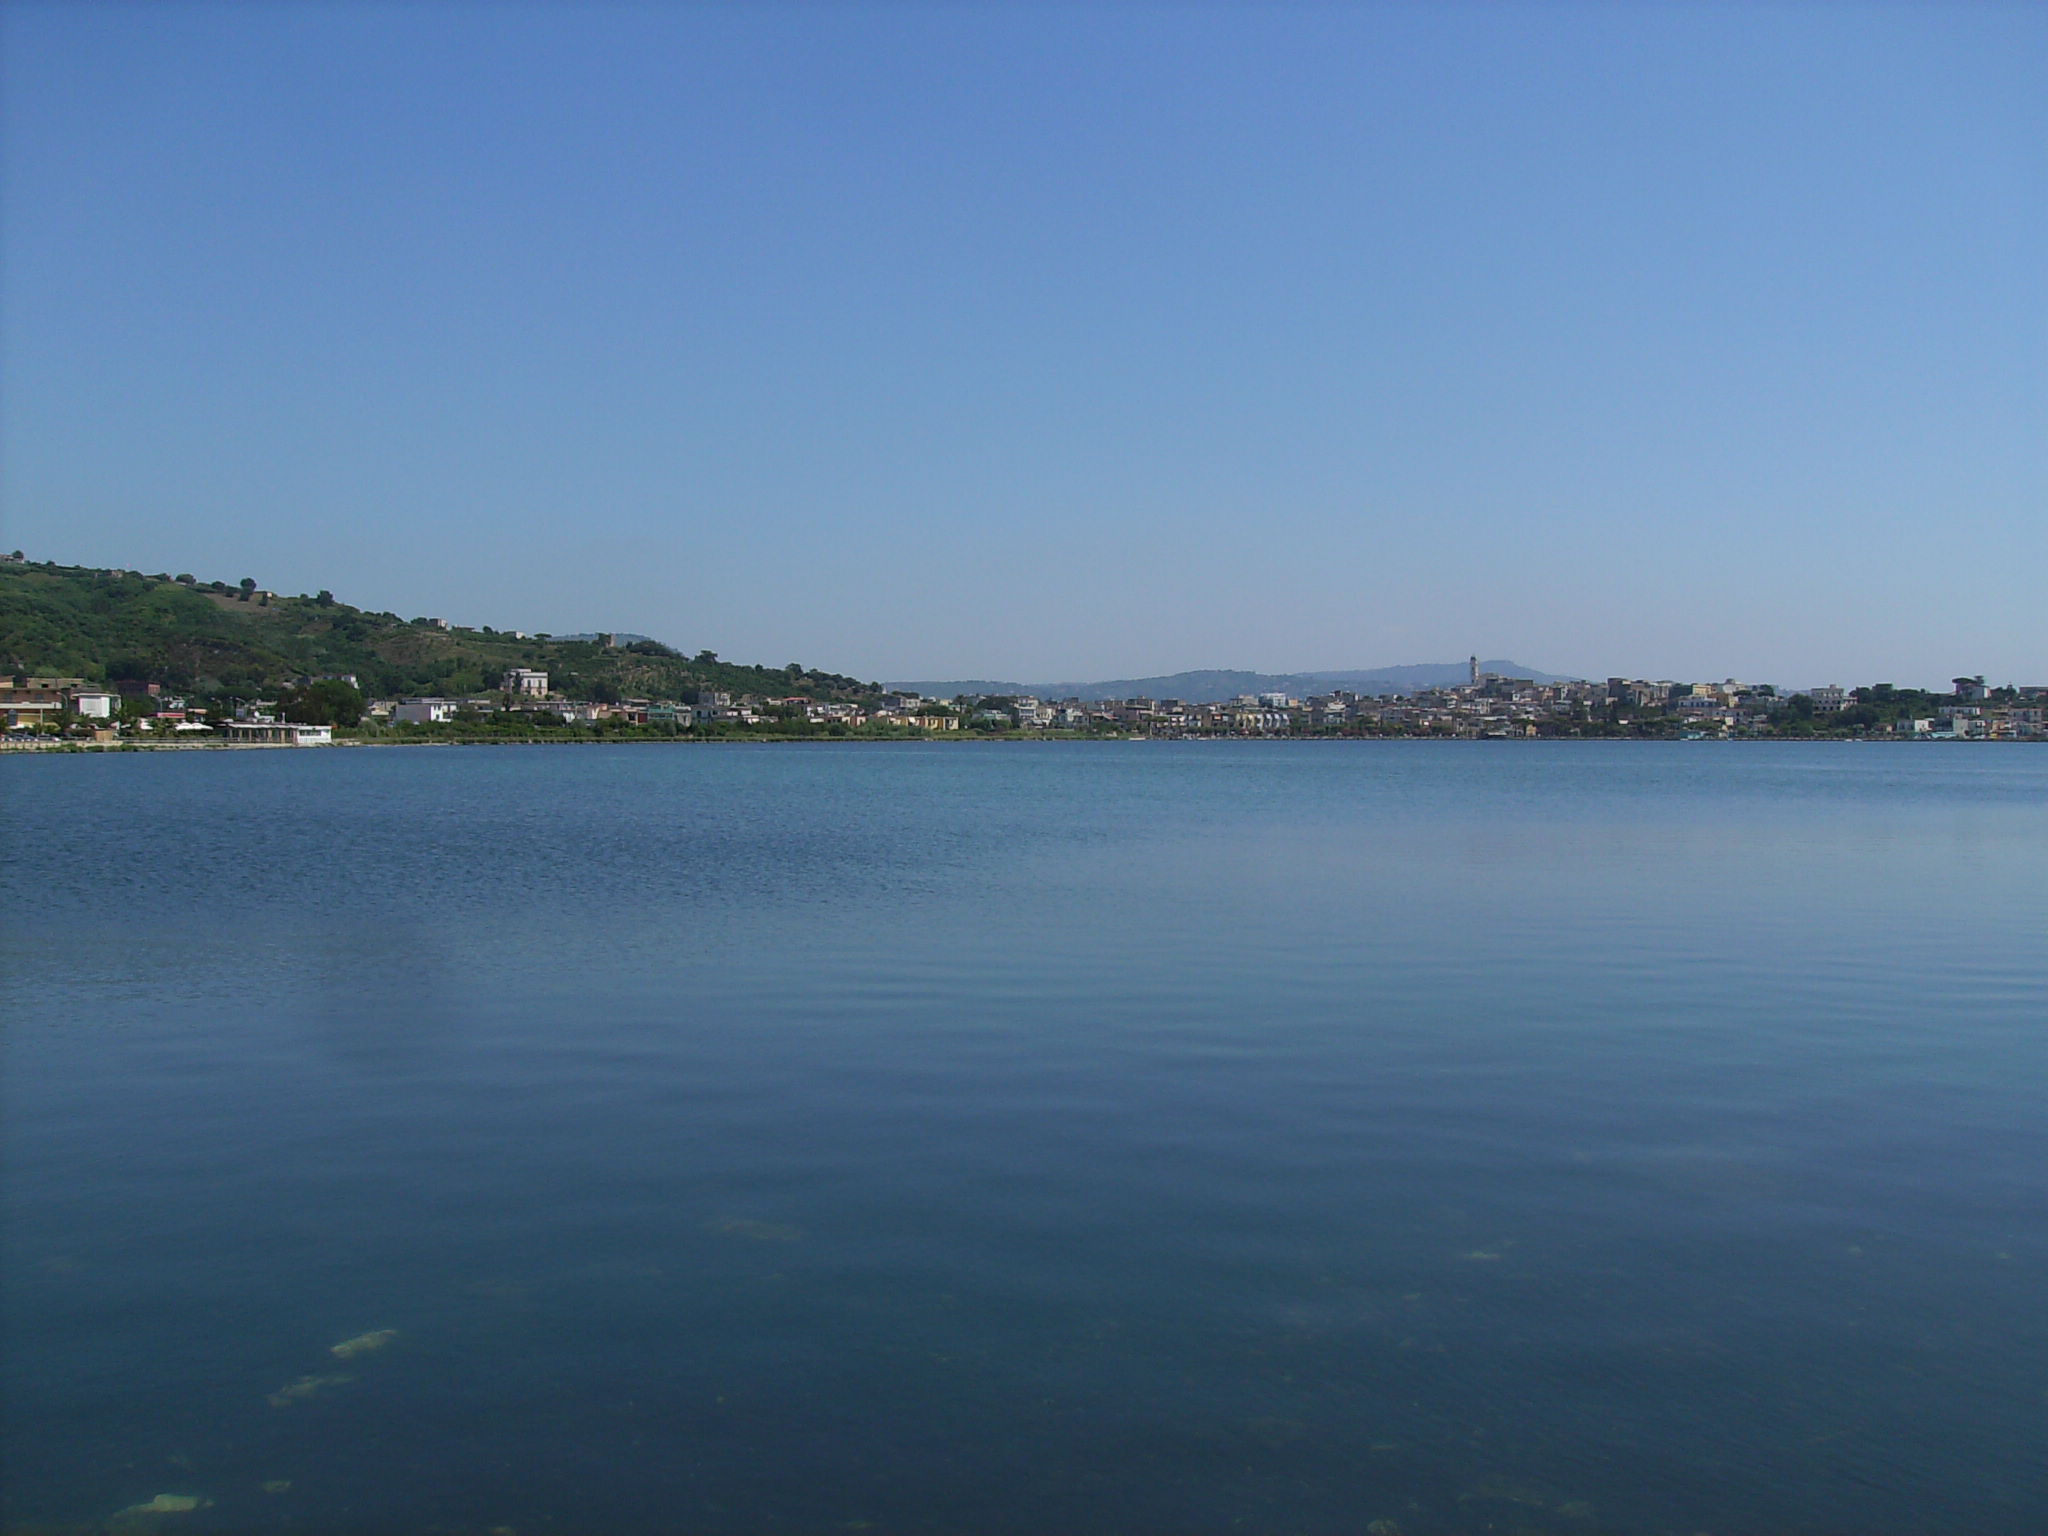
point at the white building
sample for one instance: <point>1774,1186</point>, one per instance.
<point>279,733</point>
<point>525,682</point>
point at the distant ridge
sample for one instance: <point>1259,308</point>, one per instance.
<point>214,639</point>
<point>1210,687</point>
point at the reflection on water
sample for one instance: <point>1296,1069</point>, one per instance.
<point>1257,1137</point>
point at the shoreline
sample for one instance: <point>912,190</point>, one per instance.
<point>81,748</point>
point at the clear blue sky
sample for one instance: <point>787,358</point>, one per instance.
<point>1055,341</point>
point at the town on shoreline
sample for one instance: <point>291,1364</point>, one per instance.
<point>60,712</point>
<point>104,658</point>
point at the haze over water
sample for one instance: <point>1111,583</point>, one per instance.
<point>1085,1138</point>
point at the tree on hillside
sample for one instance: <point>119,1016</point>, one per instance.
<point>248,583</point>
<point>330,701</point>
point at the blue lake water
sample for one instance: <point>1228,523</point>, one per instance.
<point>1089,1138</point>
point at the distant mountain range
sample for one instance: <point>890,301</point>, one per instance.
<point>1213,687</point>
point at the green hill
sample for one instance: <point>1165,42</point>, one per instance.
<point>211,639</point>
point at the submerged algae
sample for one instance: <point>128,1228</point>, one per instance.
<point>363,1343</point>
<point>147,1517</point>
<point>305,1387</point>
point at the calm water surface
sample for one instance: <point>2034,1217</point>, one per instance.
<point>1082,1139</point>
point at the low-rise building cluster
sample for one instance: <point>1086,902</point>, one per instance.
<point>1489,706</point>
<point>1485,706</point>
<point>32,706</point>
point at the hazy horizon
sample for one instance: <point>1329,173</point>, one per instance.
<point>1075,342</point>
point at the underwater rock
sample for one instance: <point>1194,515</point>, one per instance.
<point>303,1388</point>
<point>363,1344</point>
<point>278,1485</point>
<point>759,1231</point>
